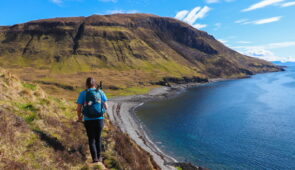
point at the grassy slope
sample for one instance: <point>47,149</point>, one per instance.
<point>39,132</point>
<point>125,51</point>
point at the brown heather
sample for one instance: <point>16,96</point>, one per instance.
<point>39,132</point>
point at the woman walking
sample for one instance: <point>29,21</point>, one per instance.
<point>91,105</point>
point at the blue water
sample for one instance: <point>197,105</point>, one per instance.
<point>236,124</point>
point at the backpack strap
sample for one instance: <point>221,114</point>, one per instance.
<point>100,95</point>
<point>86,90</point>
<point>102,106</point>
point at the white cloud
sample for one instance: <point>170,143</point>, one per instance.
<point>181,14</point>
<point>261,53</point>
<point>196,13</point>
<point>203,12</point>
<point>262,4</point>
<point>267,20</point>
<point>58,2</point>
<point>287,4</point>
<point>192,16</point>
<point>258,22</point>
<point>258,52</point>
<point>199,26</point>
<point>248,22</point>
<point>267,55</point>
<point>264,51</point>
<point>121,11</point>
<point>241,21</point>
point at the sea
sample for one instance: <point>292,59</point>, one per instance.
<point>235,124</point>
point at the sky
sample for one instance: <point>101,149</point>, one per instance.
<point>258,28</point>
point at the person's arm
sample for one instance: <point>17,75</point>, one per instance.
<point>104,99</point>
<point>80,102</point>
<point>79,112</point>
<point>105,105</point>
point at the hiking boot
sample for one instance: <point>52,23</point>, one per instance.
<point>95,160</point>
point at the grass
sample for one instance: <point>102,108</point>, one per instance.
<point>111,162</point>
<point>26,107</point>
<point>43,128</point>
<point>166,67</point>
<point>129,91</point>
<point>30,118</point>
<point>71,67</point>
<point>72,64</point>
<point>28,112</point>
<point>72,72</point>
<point>136,90</point>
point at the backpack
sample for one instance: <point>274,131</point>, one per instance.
<point>93,105</point>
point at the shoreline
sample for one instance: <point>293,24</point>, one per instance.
<point>122,114</point>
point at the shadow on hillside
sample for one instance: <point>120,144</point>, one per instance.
<point>71,152</point>
<point>50,140</point>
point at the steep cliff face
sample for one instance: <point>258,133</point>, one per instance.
<point>152,44</point>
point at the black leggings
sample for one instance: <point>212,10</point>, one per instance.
<point>94,129</point>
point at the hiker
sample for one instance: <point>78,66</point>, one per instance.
<point>92,104</point>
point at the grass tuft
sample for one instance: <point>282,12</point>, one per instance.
<point>30,86</point>
<point>27,107</point>
<point>30,118</point>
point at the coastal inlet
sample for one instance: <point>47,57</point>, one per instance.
<point>234,124</point>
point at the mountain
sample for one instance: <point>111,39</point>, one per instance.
<point>124,50</point>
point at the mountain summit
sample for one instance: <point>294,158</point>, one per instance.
<point>148,47</point>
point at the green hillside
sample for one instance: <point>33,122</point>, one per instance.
<point>126,51</point>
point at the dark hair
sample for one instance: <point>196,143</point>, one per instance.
<point>90,82</point>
